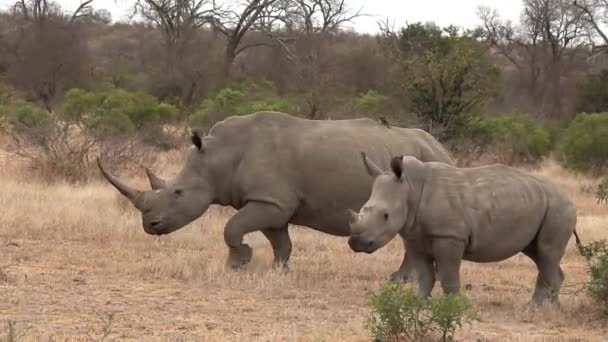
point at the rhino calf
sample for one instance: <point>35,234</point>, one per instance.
<point>448,214</point>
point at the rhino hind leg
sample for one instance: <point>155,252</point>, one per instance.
<point>281,245</point>
<point>547,250</point>
<point>549,279</point>
<point>247,220</point>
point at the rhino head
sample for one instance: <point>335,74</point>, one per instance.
<point>385,213</point>
<point>171,204</point>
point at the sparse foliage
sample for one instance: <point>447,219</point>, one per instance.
<point>398,314</point>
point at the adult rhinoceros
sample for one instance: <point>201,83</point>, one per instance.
<point>483,214</point>
<point>276,169</point>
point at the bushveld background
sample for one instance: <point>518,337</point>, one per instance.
<point>75,263</point>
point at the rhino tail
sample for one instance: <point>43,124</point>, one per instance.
<point>577,239</point>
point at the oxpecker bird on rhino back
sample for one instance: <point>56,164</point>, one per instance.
<point>276,169</point>
<point>448,214</point>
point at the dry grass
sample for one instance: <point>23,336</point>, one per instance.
<point>78,257</point>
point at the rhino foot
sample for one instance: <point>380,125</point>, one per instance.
<point>399,276</point>
<point>280,266</point>
<point>239,256</point>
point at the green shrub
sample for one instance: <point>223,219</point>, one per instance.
<point>583,144</point>
<point>238,99</point>
<point>596,255</point>
<point>370,101</point>
<point>397,312</point>
<point>116,110</point>
<point>20,114</point>
<point>513,137</point>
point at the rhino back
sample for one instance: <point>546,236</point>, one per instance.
<point>497,209</point>
<point>314,166</point>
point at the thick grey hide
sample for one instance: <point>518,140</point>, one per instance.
<point>277,169</point>
<point>484,214</point>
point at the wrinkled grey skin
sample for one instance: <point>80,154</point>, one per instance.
<point>448,214</point>
<point>276,169</point>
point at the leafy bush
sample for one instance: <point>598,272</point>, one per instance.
<point>398,313</point>
<point>592,93</point>
<point>116,110</point>
<point>19,115</point>
<point>238,99</point>
<point>596,254</point>
<point>583,144</point>
<point>370,101</point>
<point>513,137</point>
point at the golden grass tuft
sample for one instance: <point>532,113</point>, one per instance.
<point>78,255</point>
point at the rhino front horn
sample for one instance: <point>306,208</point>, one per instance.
<point>124,189</point>
<point>155,181</point>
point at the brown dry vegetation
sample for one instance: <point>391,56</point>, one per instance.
<point>72,256</point>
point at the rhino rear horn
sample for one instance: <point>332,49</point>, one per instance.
<point>353,216</point>
<point>372,169</point>
<point>124,189</point>
<point>156,182</point>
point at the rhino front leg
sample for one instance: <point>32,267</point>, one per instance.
<point>281,245</point>
<point>405,271</point>
<point>448,256</point>
<point>248,219</point>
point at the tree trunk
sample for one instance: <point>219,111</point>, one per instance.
<point>556,89</point>
<point>229,57</point>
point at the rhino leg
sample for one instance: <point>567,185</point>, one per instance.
<point>248,219</point>
<point>549,279</point>
<point>281,245</point>
<point>405,271</point>
<point>448,256</point>
<point>423,264</point>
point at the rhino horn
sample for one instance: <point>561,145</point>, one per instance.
<point>155,181</point>
<point>352,216</point>
<point>124,189</point>
<point>372,169</point>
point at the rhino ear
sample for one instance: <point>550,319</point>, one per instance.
<point>197,139</point>
<point>372,169</point>
<point>397,166</point>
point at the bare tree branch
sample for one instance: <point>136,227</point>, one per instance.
<point>84,10</point>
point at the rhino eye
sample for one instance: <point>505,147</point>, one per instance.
<point>178,192</point>
<point>386,216</point>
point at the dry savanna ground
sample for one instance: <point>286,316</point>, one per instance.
<point>71,258</point>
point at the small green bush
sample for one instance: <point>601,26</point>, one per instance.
<point>238,99</point>
<point>596,254</point>
<point>116,110</point>
<point>582,146</point>
<point>398,313</point>
<point>20,114</point>
<point>513,137</point>
<point>370,102</point>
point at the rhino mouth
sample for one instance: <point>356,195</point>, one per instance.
<point>359,245</point>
